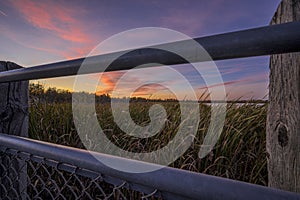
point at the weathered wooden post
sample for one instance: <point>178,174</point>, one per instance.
<point>283,123</point>
<point>13,121</point>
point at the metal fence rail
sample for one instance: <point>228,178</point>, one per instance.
<point>266,40</point>
<point>69,164</point>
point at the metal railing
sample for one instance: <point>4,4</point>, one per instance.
<point>283,38</point>
<point>95,180</point>
<point>166,183</point>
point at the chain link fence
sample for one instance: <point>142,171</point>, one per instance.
<point>26,176</point>
<point>31,169</point>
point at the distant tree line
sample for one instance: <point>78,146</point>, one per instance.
<point>39,94</point>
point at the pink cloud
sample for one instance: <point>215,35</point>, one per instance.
<point>54,17</point>
<point>108,81</point>
<point>58,20</point>
<point>149,89</point>
<point>230,70</point>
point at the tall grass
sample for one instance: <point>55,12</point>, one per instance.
<point>239,153</point>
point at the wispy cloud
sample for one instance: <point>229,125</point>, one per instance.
<point>249,79</point>
<point>108,82</point>
<point>3,13</point>
<point>53,17</point>
<point>249,87</point>
<point>57,19</point>
<point>42,44</point>
<point>150,88</point>
<point>195,20</point>
<point>188,22</point>
<point>222,84</point>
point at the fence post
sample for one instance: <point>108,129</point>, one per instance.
<point>13,121</point>
<point>283,122</point>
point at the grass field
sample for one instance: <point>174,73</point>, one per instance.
<point>239,153</point>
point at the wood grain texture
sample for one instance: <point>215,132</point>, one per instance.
<point>14,121</point>
<point>283,127</point>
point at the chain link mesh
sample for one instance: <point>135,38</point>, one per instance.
<point>26,176</point>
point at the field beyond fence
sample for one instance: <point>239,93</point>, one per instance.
<point>239,154</point>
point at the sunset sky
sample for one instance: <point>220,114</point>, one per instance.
<point>39,32</point>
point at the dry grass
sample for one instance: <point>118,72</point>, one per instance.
<point>239,153</point>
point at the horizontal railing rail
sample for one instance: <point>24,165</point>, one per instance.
<point>283,38</point>
<point>174,182</point>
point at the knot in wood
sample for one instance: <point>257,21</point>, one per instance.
<point>6,114</point>
<point>282,135</point>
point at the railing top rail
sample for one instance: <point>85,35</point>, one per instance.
<point>175,181</point>
<point>283,38</point>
